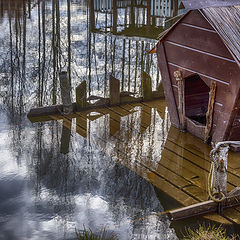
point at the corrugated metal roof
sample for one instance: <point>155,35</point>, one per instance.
<point>199,4</point>
<point>226,21</point>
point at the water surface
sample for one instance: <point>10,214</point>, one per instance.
<point>48,189</point>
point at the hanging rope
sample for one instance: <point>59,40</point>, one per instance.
<point>217,178</point>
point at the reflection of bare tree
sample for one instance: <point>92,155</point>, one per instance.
<point>69,39</point>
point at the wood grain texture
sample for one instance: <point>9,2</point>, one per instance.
<point>199,39</point>
<point>167,85</point>
<point>195,18</point>
<point>202,63</point>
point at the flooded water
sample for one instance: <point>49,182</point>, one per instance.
<point>116,168</point>
<point>49,187</point>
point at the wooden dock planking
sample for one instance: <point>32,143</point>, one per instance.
<point>234,180</point>
<point>200,167</point>
<point>189,187</point>
<point>197,191</point>
<point>213,217</point>
<point>201,161</point>
<point>189,166</point>
<point>190,143</point>
<point>159,179</point>
<point>182,171</point>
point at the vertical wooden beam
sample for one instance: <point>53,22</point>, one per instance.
<point>65,137</point>
<point>167,85</point>
<point>228,113</point>
<point>81,125</point>
<point>65,93</point>
<point>146,86</point>
<point>181,98</point>
<point>114,124</point>
<point>81,95</point>
<point>114,89</point>
<point>209,115</point>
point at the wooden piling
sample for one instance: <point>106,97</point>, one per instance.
<point>181,98</point>
<point>65,137</point>
<point>81,95</point>
<point>65,93</point>
<point>114,89</point>
<point>146,86</point>
<point>209,115</point>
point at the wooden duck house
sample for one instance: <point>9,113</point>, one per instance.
<point>199,59</point>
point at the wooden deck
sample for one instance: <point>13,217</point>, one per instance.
<point>140,137</point>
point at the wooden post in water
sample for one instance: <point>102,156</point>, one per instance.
<point>114,91</point>
<point>65,138</point>
<point>81,95</point>
<point>65,93</point>
<point>209,115</point>
<point>146,86</point>
<point>181,98</point>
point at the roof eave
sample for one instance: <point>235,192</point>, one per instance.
<point>229,49</point>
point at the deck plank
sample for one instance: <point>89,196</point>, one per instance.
<point>179,169</point>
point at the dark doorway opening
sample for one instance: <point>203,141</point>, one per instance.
<point>196,99</point>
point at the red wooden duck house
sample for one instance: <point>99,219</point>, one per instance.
<point>199,59</point>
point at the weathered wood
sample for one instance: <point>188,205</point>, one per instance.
<point>167,85</point>
<point>114,91</point>
<point>177,54</point>
<point>179,174</point>
<point>81,125</point>
<point>181,98</point>
<point>197,38</point>
<point>195,19</point>
<point>203,208</point>
<point>65,93</point>
<point>65,137</point>
<point>146,83</point>
<point>81,95</point>
<point>228,113</point>
<point>209,115</point>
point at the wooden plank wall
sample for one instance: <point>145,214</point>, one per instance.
<point>194,47</point>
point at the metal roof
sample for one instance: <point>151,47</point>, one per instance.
<point>199,4</point>
<point>226,21</point>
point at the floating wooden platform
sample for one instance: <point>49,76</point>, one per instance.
<point>140,137</point>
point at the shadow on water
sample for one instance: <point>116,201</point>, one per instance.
<point>105,168</point>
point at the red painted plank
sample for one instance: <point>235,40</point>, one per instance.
<point>167,85</point>
<point>196,18</point>
<point>202,63</point>
<point>199,39</point>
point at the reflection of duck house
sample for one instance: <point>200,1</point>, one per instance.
<point>199,58</point>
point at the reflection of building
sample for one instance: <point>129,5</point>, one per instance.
<point>144,18</point>
<point>159,8</point>
<point>12,6</point>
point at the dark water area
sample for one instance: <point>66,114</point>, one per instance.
<point>45,194</point>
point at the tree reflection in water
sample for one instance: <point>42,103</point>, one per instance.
<point>44,193</point>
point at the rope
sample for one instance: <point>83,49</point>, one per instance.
<point>214,195</point>
<point>217,156</point>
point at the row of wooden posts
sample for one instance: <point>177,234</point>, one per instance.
<point>116,97</point>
